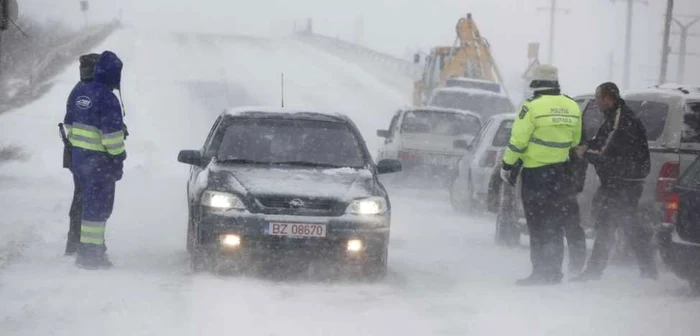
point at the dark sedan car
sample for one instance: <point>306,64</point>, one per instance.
<point>679,236</point>
<point>277,184</point>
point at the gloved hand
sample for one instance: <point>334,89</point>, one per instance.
<point>505,172</point>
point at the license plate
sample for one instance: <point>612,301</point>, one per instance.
<point>296,230</point>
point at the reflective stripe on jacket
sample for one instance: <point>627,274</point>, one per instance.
<point>544,131</point>
<point>91,138</point>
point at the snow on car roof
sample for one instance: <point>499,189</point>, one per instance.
<point>671,91</point>
<point>470,91</point>
<point>441,109</point>
<point>253,111</point>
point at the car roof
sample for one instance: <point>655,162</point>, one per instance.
<point>470,91</point>
<point>285,112</point>
<point>440,109</point>
<point>668,92</point>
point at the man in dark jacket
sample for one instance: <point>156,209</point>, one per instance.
<point>87,72</point>
<point>620,154</point>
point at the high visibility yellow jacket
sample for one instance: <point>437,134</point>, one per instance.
<point>544,131</point>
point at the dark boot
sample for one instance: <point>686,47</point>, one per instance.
<point>93,262</point>
<point>92,257</point>
<point>649,272</point>
<point>587,275</point>
<point>539,280</point>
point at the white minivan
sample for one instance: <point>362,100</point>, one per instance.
<point>423,139</point>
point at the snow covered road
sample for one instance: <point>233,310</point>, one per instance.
<point>447,277</point>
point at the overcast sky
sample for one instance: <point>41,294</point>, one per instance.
<point>584,38</point>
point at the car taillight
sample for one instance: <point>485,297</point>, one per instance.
<point>671,209</point>
<point>489,159</point>
<point>667,176</point>
<point>406,156</point>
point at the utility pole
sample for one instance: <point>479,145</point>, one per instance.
<point>552,15</point>
<point>628,41</point>
<point>665,48</point>
<point>682,52</point>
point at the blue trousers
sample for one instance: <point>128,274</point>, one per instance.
<point>98,202</point>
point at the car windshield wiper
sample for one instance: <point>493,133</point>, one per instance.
<point>306,164</point>
<point>237,160</point>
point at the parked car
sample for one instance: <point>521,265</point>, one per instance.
<point>670,115</point>
<point>422,139</point>
<point>271,184</point>
<point>483,102</point>
<point>679,233</point>
<point>469,187</point>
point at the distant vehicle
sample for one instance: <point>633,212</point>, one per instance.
<point>468,57</point>
<point>471,182</point>
<point>472,83</point>
<point>270,184</point>
<point>482,102</point>
<point>422,139</point>
<point>671,116</point>
<point>679,233</point>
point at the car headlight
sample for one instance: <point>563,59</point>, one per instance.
<point>367,206</point>
<point>222,200</point>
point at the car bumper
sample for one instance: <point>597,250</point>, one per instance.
<point>682,257</point>
<point>256,243</point>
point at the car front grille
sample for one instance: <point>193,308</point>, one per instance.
<point>301,206</point>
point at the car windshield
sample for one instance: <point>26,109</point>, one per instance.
<point>484,104</point>
<point>288,141</point>
<point>502,136</point>
<point>440,123</point>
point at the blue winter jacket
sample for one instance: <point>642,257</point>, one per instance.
<point>94,118</point>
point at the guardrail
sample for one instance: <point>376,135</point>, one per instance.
<point>336,44</point>
<point>43,69</point>
<point>35,84</point>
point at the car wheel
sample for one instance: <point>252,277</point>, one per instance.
<point>191,237</point>
<point>695,286</point>
<point>200,262</point>
<point>376,268</point>
<point>464,206</point>
<point>507,232</point>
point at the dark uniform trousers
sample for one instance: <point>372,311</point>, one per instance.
<point>575,236</point>
<point>617,202</point>
<point>76,216</point>
<point>545,202</point>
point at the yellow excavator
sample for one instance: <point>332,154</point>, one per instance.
<point>469,58</point>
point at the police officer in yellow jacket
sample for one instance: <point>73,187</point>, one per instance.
<point>547,127</point>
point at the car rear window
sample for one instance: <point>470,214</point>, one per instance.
<point>691,123</point>
<point>652,114</point>
<point>440,123</point>
<point>691,176</point>
<point>486,105</point>
<point>502,136</point>
<point>275,141</point>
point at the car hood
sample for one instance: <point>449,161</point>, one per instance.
<point>337,183</point>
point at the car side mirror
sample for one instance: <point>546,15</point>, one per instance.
<point>386,166</point>
<point>462,144</point>
<point>383,133</point>
<point>416,58</point>
<point>190,157</point>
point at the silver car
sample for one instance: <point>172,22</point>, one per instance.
<point>470,186</point>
